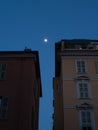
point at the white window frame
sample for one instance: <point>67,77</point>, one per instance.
<point>2,71</point>
<point>83,81</point>
<point>81,68</point>
<point>90,124</point>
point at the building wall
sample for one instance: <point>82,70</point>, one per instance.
<point>20,86</point>
<point>58,104</point>
<point>70,99</point>
<point>69,65</point>
<point>67,52</point>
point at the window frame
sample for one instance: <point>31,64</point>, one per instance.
<point>2,71</point>
<point>3,107</point>
<point>91,124</point>
<point>81,69</point>
<point>83,81</point>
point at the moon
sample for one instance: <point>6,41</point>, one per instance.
<point>45,40</point>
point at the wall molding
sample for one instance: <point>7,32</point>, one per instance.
<point>71,78</point>
<point>74,106</point>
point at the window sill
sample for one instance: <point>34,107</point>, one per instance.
<point>85,98</point>
<point>81,72</point>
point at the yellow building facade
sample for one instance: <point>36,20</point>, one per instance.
<point>75,85</point>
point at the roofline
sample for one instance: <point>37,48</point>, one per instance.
<point>89,40</point>
<point>24,51</point>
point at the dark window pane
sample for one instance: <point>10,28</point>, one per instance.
<point>89,128</point>
<point>86,95</point>
<point>84,128</point>
<point>3,67</point>
<point>4,108</point>
<point>2,75</point>
<point>81,95</point>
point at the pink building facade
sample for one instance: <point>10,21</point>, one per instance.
<point>20,90</point>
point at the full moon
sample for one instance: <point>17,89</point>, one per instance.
<point>45,40</point>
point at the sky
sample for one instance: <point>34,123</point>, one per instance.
<point>25,23</point>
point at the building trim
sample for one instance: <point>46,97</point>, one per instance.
<point>75,106</point>
<point>71,78</point>
<point>69,106</point>
<point>77,52</point>
<point>78,57</point>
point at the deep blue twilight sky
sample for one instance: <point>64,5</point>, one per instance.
<point>25,23</point>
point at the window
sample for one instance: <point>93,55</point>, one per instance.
<point>83,88</point>
<point>2,71</point>
<point>96,66</point>
<point>81,66</point>
<point>86,120</point>
<point>3,107</point>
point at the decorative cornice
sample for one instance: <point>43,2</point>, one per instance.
<point>77,52</point>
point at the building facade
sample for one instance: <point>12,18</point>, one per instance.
<point>75,85</point>
<point>20,90</point>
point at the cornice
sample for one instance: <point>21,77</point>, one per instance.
<point>77,52</point>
